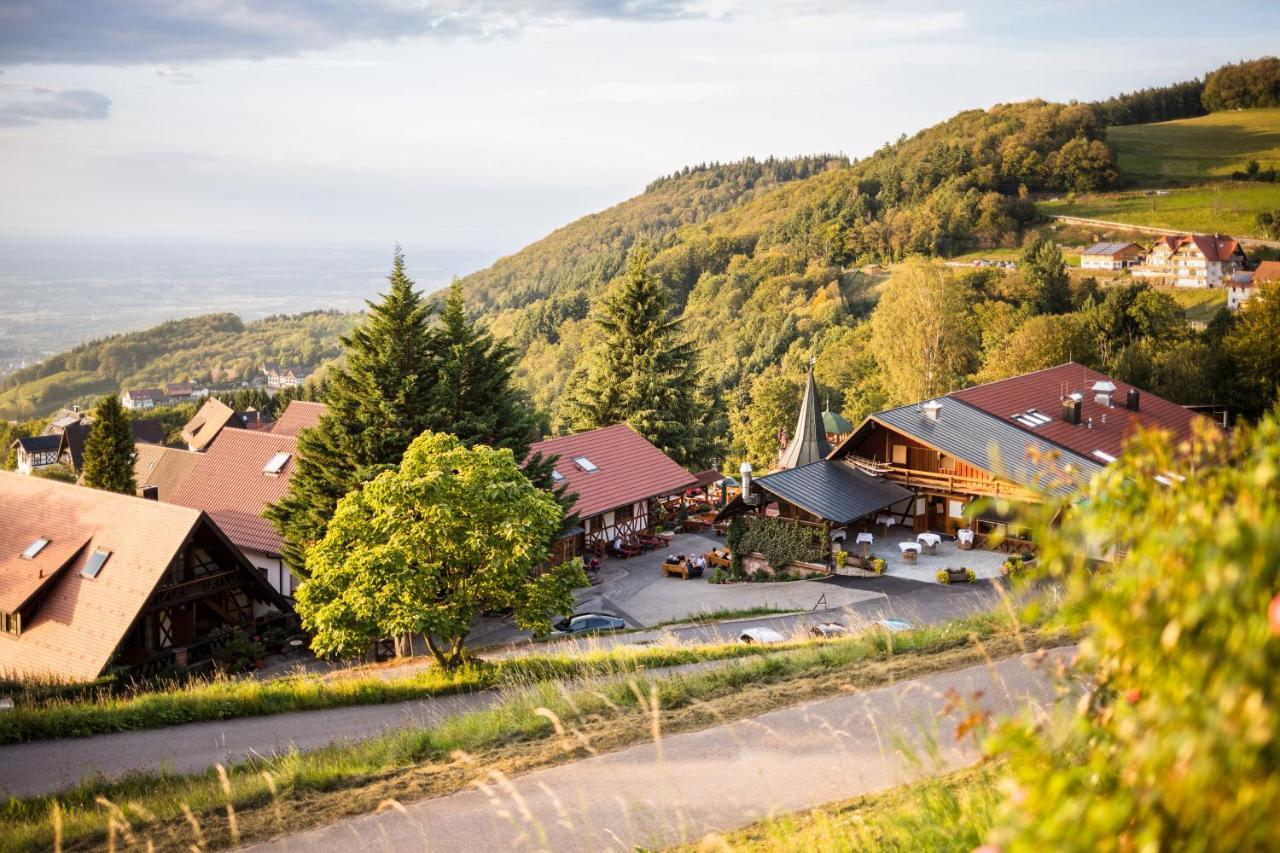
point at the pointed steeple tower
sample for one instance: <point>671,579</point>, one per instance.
<point>809,442</point>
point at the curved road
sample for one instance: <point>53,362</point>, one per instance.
<point>714,780</point>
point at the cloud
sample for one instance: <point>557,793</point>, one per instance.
<point>126,32</point>
<point>26,105</point>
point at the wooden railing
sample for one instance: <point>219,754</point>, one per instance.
<point>956,484</point>
<point>200,587</point>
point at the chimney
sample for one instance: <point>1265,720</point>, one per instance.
<point>1071,410</point>
<point>1131,401</point>
<point>151,493</point>
<point>931,409</point>
<point>745,471</point>
<point>1102,391</point>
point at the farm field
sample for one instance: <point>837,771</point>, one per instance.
<point>1229,208</point>
<point>1197,149</point>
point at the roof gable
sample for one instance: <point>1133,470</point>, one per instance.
<point>297,416</point>
<point>628,468</point>
<point>202,429</point>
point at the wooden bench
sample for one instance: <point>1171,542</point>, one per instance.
<point>715,559</point>
<point>681,569</point>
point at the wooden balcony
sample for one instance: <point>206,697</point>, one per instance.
<point>952,484</point>
<point>201,587</point>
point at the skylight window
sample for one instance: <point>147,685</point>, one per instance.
<point>1104,456</point>
<point>35,548</point>
<point>585,464</point>
<point>97,560</point>
<point>557,476</point>
<point>1031,418</point>
<point>276,464</point>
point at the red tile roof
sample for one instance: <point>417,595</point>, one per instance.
<point>1043,391</point>
<point>630,469</point>
<point>1267,271</point>
<point>230,485</point>
<point>1213,247</point>
<point>202,429</point>
<point>299,415</point>
<point>77,627</point>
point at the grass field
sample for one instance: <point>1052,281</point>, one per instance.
<point>1196,149</point>
<point>1229,208</point>
<point>1200,305</point>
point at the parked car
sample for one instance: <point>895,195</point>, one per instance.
<point>761,635</point>
<point>582,623</point>
<point>895,625</point>
<point>829,629</point>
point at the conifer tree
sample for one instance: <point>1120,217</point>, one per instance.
<point>379,400</point>
<point>108,451</point>
<point>642,370</point>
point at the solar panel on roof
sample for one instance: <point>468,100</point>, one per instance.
<point>97,560</point>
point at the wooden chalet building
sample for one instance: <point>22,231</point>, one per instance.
<point>617,475</point>
<point>925,465</point>
<point>90,578</point>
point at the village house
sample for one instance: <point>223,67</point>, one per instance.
<point>1111,256</point>
<point>63,443</point>
<point>148,431</point>
<point>137,399</point>
<point>926,466</point>
<point>279,377</point>
<point>158,471</point>
<point>37,452</point>
<point>215,416</point>
<point>617,475</point>
<point>90,578</point>
<point>233,482</point>
<point>1192,260</point>
<point>1244,285</point>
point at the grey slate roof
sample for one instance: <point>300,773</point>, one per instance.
<point>835,491</point>
<point>994,445</point>
<point>39,443</point>
<point>809,444</point>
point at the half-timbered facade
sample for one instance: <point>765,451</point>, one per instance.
<point>617,475</point>
<point>89,578</point>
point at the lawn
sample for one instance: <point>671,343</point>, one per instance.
<point>1196,149</point>
<point>547,723</point>
<point>1200,305</point>
<point>1228,208</point>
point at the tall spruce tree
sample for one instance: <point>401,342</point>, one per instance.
<point>402,376</point>
<point>108,451</point>
<point>379,399</point>
<point>642,370</point>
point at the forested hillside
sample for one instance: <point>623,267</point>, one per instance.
<point>213,348</point>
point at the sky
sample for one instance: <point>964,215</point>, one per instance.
<point>465,130</point>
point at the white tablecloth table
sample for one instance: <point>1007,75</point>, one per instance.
<point>904,547</point>
<point>929,541</point>
<point>865,539</point>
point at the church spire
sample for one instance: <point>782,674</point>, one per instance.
<point>809,443</point>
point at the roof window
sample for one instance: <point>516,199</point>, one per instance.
<point>557,476</point>
<point>35,548</point>
<point>276,463</point>
<point>585,464</point>
<point>1104,456</point>
<point>97,560</point>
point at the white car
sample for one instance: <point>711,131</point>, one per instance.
<point>829,629</point>
<point>761,635</point>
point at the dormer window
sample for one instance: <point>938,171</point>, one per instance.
<point>97,560</point>
<point>276,464</point>
<point>35,548</point>
<point>585,464</point>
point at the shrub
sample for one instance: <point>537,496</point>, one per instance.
<point>943,576</point>
<point>1012,567</point>
<point>842,557</point>
<point>877,565</point>
<point>781,542</point>
<point>970,575</point>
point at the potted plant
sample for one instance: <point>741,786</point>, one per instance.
<point>943,576</point>
<point>842,557</point>
<point>960,575</point>
<point>877,565</point>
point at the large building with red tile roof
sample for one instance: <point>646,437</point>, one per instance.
<point>297,416</point>
<point>615,472</point>
<point>1193,260</point>
<point>90,578</point>
<point>235,480</point>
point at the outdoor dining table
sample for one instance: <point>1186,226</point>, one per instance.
<point>929,541</point>
<point>886,520</point>
<point>865,540</point>
<point>910,550</point>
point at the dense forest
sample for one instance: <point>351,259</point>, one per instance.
<point>212,348</point>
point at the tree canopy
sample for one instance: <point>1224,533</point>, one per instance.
<point>109,453</point>
<point>425,547</point>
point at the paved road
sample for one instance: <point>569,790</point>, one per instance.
<point>691,784</point>
<point>1150,229</point>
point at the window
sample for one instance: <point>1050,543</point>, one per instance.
<point>35,548</point>
<point>557,476</point>
<point>585,464</point>
<point>276,463</point>
<point>899,454</point>
<point>97,560</point>
<point>623,513</point>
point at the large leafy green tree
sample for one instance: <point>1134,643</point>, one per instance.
<point>108,451</point>
<point>1045,273</point>
<point>424,548</point>
<point>382,396</point>
<point>643,370</point>
<point>922,334</point>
